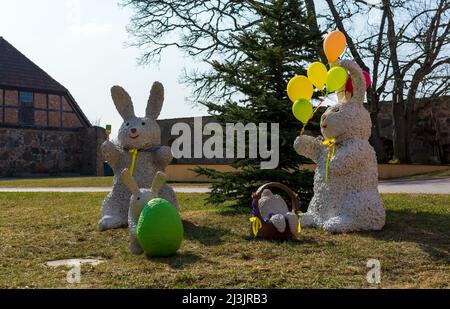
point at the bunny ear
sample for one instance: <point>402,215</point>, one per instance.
<point>123,102</point>
<point>158,182</point>
<point>129,181</point>
<point>358,80</point>
<point>155,101</point>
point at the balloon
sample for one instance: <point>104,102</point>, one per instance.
<point>349,86</point>
<point>334,45</point>
<point>368,79</point>
<point>300,87</point>
<point>337,77</point>
<point>302,110</point>
<point>317,74</point>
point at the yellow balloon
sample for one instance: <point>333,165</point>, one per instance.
<point>317,74</point>
<point>336,79</point>
<point>300,87</point>
<point>302,110</point>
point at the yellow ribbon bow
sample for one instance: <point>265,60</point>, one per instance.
<point>256,225</point>
<point>134,153</point>
<point>331,144</point>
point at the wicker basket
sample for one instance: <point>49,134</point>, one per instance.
<point>267,230</point>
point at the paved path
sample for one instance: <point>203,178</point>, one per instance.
<point>430,186</point>
<point>98,189</point>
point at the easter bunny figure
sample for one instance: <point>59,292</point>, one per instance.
<point>139,198</point>
<point>274,208</point>
<point>139,149</point>
<point>346,198</point>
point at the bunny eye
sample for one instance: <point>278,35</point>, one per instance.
<point>143,123</point>
<point>128,124</point>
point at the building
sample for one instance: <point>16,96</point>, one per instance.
<point>42,128</point>
<point>43,131</point>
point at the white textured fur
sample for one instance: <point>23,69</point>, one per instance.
<point>350,201</point>
<point>144,134</point>
<point>273,204</point>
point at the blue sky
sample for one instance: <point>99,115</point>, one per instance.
<point>81,43</point>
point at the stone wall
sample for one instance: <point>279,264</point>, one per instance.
<point>92,158</point>
<point>25,152</point>
<point>430,130</point>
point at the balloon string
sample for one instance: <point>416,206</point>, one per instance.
<point>314,112</point>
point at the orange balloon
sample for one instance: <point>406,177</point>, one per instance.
<point>334,45</point>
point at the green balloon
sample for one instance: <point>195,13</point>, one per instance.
<point>302,110</point>
<point>336,79</point>
<point>160,230</point>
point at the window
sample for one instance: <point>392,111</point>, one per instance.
<point>26,110</point>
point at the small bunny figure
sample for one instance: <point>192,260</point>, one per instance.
<point>139,198</point>
<point>139,149</point>
<point>274,209</point>
<point>346,196</point>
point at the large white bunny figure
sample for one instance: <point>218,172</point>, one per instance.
<point>139,137</point>
<point>349,200</point>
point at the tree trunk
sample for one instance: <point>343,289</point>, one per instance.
<point>377,142</point>
<point>400,134</point>
<point>398,107</point>
<point>312,17</point>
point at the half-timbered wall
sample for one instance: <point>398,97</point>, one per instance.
<point>38,110</point>
<point>41,133</point>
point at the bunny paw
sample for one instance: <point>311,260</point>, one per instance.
<point>109,222</point>
<point>338,224</point>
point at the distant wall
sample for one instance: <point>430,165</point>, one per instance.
<point>184,173</point>
<point>430,133</point>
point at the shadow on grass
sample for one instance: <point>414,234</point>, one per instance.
<point>291,242</point>
<point>231,211</point>
<point>429,230</point>
<point>178,261</point>
<point>206,235</point>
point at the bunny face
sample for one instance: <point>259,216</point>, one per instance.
<point>139,132</point>
<point>348,119</point>
<point>140,198</point>
<point>345,121</point>
<point>270,203</point>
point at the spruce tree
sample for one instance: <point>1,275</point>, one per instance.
<point>280,47</point>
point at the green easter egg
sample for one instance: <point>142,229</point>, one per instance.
<point>160,230</point>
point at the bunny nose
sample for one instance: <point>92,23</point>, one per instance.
<point>133,130</point>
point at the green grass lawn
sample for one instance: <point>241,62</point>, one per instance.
<point>65,182</point>
<point>217,253</point>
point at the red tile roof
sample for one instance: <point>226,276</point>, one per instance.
<point>17,71</point>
